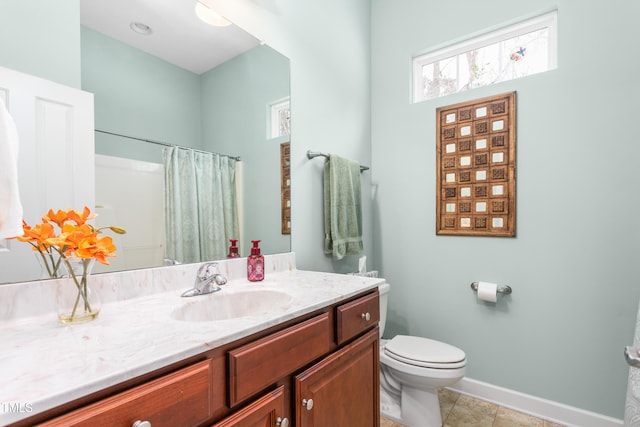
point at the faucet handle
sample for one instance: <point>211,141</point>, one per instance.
<point>208,280</point>
<point>207,271</point>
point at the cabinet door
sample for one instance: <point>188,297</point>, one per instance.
<point>343,389</point>
<point>264,412</point>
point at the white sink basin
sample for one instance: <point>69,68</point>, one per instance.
<point>224,305</point>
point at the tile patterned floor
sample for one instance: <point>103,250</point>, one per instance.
<point>459,410</point>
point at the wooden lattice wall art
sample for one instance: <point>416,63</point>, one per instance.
<point>476,165</point>
<point>285,186</point>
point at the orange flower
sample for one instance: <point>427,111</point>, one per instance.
<point>58,217</point>
<point>83,242</point>
<point>100,249</point>
<point>79,239</point>
<point>71,237</point>
<point>37,236</point>
<point>80,218</point>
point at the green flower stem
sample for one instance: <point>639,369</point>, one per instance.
<point>50,264</point>
<point>82,286</point>
<point>46,263</point>
<point>55,264</point>
<point>44,260</point>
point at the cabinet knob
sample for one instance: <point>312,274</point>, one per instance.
<point>141,424</point>
<point>366,316</point>
<point>307,404</point>
<point>282,422</point>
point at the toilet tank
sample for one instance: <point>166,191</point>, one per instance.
<point>383,290</point>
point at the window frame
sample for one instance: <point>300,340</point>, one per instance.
<point>274,121</point>
<point>547,20</point>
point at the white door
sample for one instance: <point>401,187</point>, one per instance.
<point>56,168</point>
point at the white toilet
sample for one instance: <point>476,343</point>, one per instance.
<point>411,371</point>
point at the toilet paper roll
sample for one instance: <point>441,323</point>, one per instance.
<point>487,291</point>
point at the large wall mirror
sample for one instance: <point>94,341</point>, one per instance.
<point>155,84</point>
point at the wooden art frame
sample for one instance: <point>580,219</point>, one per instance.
<point>476,167</point>
<point>285,187</point>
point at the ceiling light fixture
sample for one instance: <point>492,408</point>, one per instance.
<point>141,28</point>
<point>209,16</point>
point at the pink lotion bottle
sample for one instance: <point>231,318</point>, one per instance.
<point>255,263</point>
<point>233,249</point>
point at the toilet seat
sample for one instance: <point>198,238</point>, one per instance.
<point>424,352</point>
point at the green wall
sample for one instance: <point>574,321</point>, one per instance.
<point>41,38</point>
<point>572,266</point>
<point>139,95</point>
<point>235,101</point>
<point>223,110</point>
<point>328,45</point>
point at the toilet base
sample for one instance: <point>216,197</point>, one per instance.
<point>420,408</point>
<point>390,405</point>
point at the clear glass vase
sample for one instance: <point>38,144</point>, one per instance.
<point>50,264</point>
<point>76,300</point>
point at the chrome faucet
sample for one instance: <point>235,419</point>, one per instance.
<point>208,280</point>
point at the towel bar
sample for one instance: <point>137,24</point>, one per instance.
<point>632,356</point>
<point>312,154</point>
<point>502,289</point>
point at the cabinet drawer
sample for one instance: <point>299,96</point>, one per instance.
<point>262,412</point>
<point>261,363</point>
<point>356,317</point>
<point>182,398</point>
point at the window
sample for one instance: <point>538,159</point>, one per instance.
<point>519,50</point>
<point>280,114</point>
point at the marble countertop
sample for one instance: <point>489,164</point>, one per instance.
<point>44,364</point>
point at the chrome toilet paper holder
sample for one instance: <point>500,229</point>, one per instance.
<point>502,289</point>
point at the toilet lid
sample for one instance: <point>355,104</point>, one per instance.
<point>424,352</point>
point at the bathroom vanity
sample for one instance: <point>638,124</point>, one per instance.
<point>312,360</point>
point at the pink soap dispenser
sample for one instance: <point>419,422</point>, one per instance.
<point>233,249</point>
<point>255,263</point>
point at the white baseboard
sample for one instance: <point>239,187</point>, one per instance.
<point>541,408</point>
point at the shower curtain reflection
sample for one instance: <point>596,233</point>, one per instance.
<point>201,204</point>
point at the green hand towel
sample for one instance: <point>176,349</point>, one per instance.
<point>342,208</point>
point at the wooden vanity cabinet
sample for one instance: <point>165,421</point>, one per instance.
<point>315,371</point>
<point>341,388</point>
